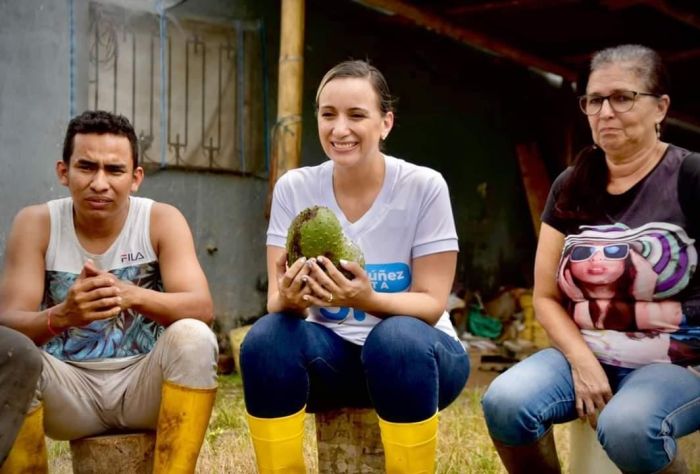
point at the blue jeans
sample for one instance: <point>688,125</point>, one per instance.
<point>406,370</point>
<point>651,407</point>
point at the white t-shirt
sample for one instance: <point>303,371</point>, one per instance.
<point>410,218</point>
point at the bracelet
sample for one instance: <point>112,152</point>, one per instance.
<point>48,324</point>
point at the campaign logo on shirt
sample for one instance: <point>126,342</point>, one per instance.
<point>389,277</point>
<point>385,278</point>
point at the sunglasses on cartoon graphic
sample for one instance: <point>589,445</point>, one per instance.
<point>583,252</point>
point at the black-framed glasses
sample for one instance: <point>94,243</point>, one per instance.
<point>620,101</point>
<point>583,252</point>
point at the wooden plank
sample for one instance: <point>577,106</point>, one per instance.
<point>535,180</point>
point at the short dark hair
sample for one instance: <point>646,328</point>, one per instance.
<point>100,122</point>
<point>362,70</point>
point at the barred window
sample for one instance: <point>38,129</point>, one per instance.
<point>194,90</point>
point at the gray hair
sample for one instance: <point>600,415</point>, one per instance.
<point>644,62</point>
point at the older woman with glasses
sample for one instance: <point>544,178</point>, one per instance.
<point>615,287</point>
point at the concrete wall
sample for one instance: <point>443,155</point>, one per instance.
<point>34,102</point>
<point>225,213</point>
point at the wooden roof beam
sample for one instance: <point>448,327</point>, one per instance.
<point>491,6</point>
<point>614,5</point>
<point>439,25</point>
<point>675,13</point>
<point>683,55</point>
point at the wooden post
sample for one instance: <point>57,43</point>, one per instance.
<point>349,441</point>
<point>132,453</point>
<point>286,136</point>
<point>535,180</point>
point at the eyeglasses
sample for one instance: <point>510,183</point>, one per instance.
<point>620,101</point>
<point>581,253</point>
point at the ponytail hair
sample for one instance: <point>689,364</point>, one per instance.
<point>583,191</point>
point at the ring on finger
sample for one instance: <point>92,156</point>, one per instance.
<point>330,297</point>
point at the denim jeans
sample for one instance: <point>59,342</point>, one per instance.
<point>406,370</point>
<point>651,407</point>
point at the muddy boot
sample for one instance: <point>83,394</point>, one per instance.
<point>28,453</point>
<point>540,456</point>
<point>182,422</point>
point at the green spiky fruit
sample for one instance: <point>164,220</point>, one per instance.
<point>316,231</point>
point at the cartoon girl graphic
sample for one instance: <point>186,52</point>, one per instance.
<point>620,278</point>
<point>599,279</point>
<point>601,270</point>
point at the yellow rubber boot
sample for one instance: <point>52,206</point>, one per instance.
<point>278,443</point>
<point>28,453</point>
<point>409,448</point>
<point>182,422</point>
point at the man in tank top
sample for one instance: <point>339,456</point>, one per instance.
<point>109,285</point>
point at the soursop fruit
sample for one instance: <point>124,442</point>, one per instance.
<point>317,231</point>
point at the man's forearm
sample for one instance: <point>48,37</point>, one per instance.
<point>165,308</point>
<point>33,324</point>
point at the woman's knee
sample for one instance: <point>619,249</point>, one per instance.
<point>273,339</point>
<point>397,336</point>
<point>508,417</point>
<point>503,403</point>
<point>628,436</point>
<point>521,404</point>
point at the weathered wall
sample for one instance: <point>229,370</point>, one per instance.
<point>34,98</point>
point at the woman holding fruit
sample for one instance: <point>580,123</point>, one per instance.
<point>343,335</point>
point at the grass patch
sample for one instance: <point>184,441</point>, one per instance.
<point>464,445</point>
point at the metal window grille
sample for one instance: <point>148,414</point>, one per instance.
<point>201,106</point>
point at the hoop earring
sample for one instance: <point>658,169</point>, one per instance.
<point>657,126</point>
